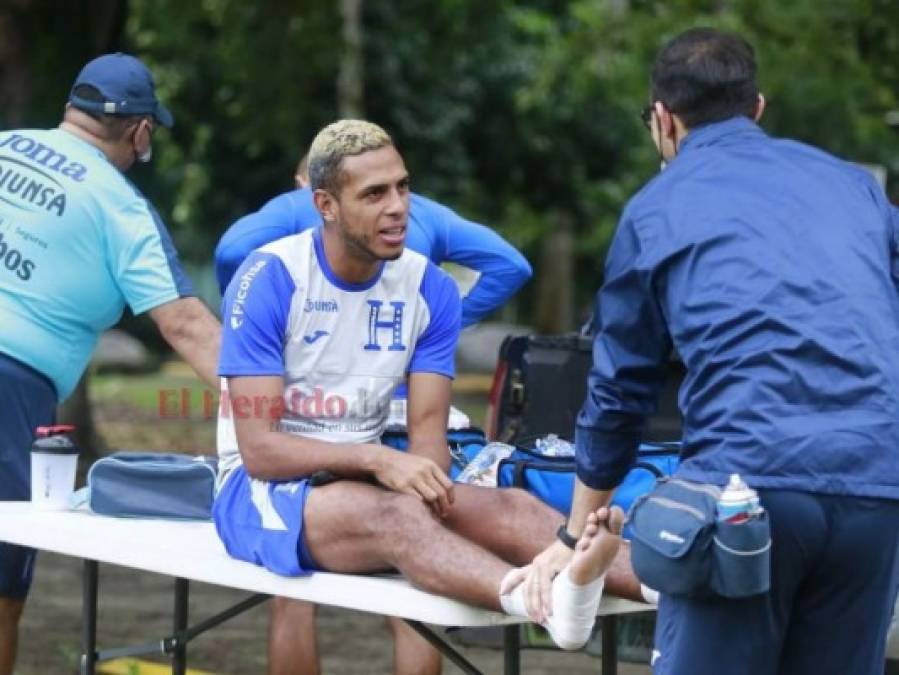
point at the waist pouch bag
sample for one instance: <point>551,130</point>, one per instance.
<point>464,445</point>
<point>551,479</point>
<point>679,548</point>
<point>152,485</point>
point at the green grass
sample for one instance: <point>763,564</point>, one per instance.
<point>171,410</point>
<point>157,393</point>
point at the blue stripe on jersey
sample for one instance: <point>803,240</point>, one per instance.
<point>436,347</point>
<point>182,282</point>
<point>255,311</point>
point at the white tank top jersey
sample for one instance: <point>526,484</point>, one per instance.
<point>341,348</point>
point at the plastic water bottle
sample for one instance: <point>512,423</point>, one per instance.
<point>553,446</point>
<point>738,502</point>
<point>54,458</point>
<point>482,469</point>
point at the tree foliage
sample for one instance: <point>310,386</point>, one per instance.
<point>519,113</point>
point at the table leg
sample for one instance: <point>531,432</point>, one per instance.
<point>511,650</point>
<point>609,625</point>
<point>89,586</point>
<point>179,652</point>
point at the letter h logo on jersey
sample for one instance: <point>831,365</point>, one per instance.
<point>395,326</point>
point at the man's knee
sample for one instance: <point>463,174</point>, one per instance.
<point>288,609</point>
<point>516,497</point>
<point>402,521</point>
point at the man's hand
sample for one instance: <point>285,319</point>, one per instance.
<point>538,580</point>
<point>417,476</point>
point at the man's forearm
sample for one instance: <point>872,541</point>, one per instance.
<point>192,331</point>
<point>275,455</point>
<point>585,501</point>
<point>434,449</point>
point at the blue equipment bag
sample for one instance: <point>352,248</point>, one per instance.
<point>152,485</point>
<point>551,479</point>
<point>679,547</point>
<point>464,444</point>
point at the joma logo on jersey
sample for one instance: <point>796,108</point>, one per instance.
<point>320,306</point>
<point>246,280</point>
<point>47,157</point>
<point>394,326</point>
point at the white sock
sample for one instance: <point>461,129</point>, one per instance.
<point>649,595</point>
<point>574,609</point>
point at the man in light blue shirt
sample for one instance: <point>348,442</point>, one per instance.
<point>772,268</point>
<point>77,243</point>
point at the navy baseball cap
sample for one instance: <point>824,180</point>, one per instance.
<point>126,86</point>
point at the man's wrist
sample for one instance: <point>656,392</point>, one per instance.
<point>563,535</point>
<point>372,458</point>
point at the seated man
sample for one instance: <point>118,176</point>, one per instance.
<point>320,327</point>
<point>440,234</point>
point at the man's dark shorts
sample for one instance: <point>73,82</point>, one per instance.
<point>834,573</point>
<point>27,401</point>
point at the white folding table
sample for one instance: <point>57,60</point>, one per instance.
<point>191,551</point>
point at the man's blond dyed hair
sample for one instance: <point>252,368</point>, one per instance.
<point>344,138</point>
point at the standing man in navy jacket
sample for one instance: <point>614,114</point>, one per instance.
<point>772,268</point>
<point>441,235</point>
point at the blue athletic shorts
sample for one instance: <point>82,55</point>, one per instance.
<point>262,522</point>
<point>834,574</point>
<point>27,401</point>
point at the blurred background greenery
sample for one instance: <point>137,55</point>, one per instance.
<point>521,114</point>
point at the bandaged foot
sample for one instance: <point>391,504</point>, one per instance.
<point>577,589</point>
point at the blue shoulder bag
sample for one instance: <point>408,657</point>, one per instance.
<point>551,479</point>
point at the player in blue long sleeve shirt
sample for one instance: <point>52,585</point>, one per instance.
<point>434,231</point>
<point>771,268</point>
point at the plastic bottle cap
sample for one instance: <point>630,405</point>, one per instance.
<point>54,430</point>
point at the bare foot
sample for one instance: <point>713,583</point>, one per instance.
<point>598,545</point>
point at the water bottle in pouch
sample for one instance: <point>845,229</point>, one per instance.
<point>738,502</point>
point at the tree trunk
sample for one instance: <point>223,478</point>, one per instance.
<point>350,83</point>
<point>555,280</point>
<point>15,74</point>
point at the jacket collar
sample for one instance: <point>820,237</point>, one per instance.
<point>713,133</point>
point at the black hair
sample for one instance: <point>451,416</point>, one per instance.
<point>706,75</point>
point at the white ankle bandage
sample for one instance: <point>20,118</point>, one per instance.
<point>573,610</point>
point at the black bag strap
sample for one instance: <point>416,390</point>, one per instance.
<point>652,468</point>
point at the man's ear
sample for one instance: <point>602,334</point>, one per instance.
<point>759,107</point>
<point>326,205</point>
<point>666,120</point>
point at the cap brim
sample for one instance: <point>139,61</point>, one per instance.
<point>163,116</point>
